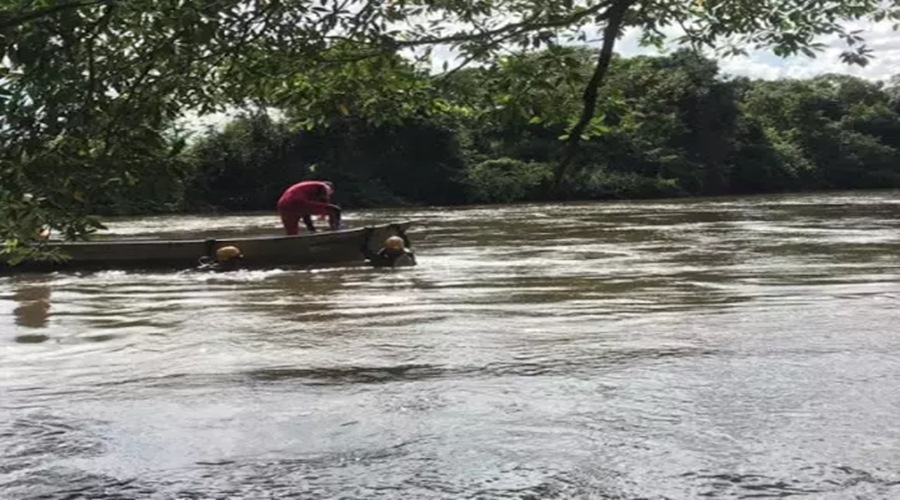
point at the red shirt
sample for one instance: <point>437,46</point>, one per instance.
<point>303,197</point>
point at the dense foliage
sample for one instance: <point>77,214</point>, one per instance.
<point>667,126</point>
<point>90,89</point>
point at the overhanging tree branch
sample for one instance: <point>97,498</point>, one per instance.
<point>9,21</point>
<point>530,24</point>
<point>589,97</point>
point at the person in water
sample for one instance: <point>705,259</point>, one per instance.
<point>226,258</point>
<point>394,253</point>
<point>305,199</point>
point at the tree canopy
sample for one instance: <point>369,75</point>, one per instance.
<point>89,89</point>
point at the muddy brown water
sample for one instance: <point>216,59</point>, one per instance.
<point>744,347</point>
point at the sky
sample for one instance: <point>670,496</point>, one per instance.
<point>764,65</point>
<point>758,65</point>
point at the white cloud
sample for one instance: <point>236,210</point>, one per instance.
<point>764,65</point>
<point>880,37</point>
<point>196,123</point>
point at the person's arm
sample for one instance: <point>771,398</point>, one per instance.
<point>307,220</point>
<point>366,251</point>
<point>334,218</point>
<point>406,241</point>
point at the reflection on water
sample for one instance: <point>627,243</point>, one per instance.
<point>34,307</point>
<point>725,348</point>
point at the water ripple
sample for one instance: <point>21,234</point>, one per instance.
<point>727,348</point>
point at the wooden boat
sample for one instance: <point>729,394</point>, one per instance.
<point>326,247</point>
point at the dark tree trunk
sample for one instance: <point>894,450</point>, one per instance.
<point>589,98</point>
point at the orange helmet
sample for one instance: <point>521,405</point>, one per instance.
<point>225,254</point>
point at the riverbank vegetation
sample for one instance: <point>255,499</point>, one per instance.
<point>666,126</point>
<point>91,92</point>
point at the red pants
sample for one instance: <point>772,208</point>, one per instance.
<point>291,213</point>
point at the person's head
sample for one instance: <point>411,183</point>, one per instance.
<point>324,190</point>
<point>228,254</point>
<point>394,245</point>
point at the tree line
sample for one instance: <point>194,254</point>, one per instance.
<point>666,126</point>
<point>90,90</point>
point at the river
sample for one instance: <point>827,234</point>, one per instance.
<point>739,347</point>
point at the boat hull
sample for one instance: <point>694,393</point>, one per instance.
<point>327,247</point>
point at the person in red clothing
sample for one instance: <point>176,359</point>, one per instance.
<point>305,199</point>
